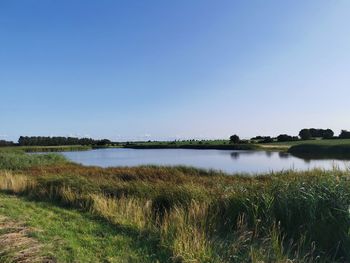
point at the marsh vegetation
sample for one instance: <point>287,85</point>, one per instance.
<point>177,214</point>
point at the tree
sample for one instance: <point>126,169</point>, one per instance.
<point>6,143</point>
<point>344,134</point>
<point>327,134</point>
<point>234,139</point>
<point>56,141</point>
<point>316,133</point>
<point>286,138</point>
<point>305,134</point>
<point>262,139</point>
<point>267,139</point>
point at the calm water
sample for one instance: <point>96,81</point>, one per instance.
<point>228,161</point>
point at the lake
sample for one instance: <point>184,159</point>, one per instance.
<point>225,160</point>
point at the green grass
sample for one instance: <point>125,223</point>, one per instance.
<point>65,148</point>
<point>13,160</point>
<point>73,236</point>
<point>205,144</point>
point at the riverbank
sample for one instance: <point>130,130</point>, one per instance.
<point>206,144</point>
<point>177,214</point>
<point>65,148</point>
<point>321,151</point>
<point>245,147</point>
<point>226,145</point>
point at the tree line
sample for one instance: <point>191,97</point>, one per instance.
<point>304,134</point>
<point>58,141</point>
<point>4,143</point>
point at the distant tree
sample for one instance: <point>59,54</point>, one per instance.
<point>286,138</point>
<point>56,141</point>
<point>262,139</point>
<point>344,134</point>
<point>103,142</point>
<point>316,133</point>
<point>327,134</point>
<point>305,134</point>
<point>267,139</point>
<point>234,139</point>
<point>6,143</point>
<point>257,138</point>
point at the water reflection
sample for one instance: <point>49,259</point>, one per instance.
<point>284,155</point>
<point>235,155</point>
<point>269,154</point>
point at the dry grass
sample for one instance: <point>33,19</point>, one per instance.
<point>125,211</point>
<point>16,245</point>
<point>15,183</point>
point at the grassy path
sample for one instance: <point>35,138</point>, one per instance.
<point>16,245</point>
<point>72,236</point>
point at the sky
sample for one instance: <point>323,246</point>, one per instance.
<point>163,70</point>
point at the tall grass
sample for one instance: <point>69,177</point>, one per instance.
<point>63,148</point>
<point>15,183</point>
<point>202,216</point>
<point>16,160</point>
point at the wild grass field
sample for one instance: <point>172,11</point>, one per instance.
<point>172,214</point>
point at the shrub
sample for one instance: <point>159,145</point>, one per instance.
<point>305,134</point>
<point>344,134</point>
<point>234,139</point>
<point>286,138</point>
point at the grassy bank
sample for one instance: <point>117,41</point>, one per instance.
<point>179,214</point>
<point>66,148</point>
<point>313,142</point>
<point>321,151</point>
<point>17,160</point>
<point>213,144</point>
<point>226,145</point>
<point>66,235</point>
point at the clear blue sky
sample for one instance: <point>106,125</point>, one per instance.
<point>151,69</point>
